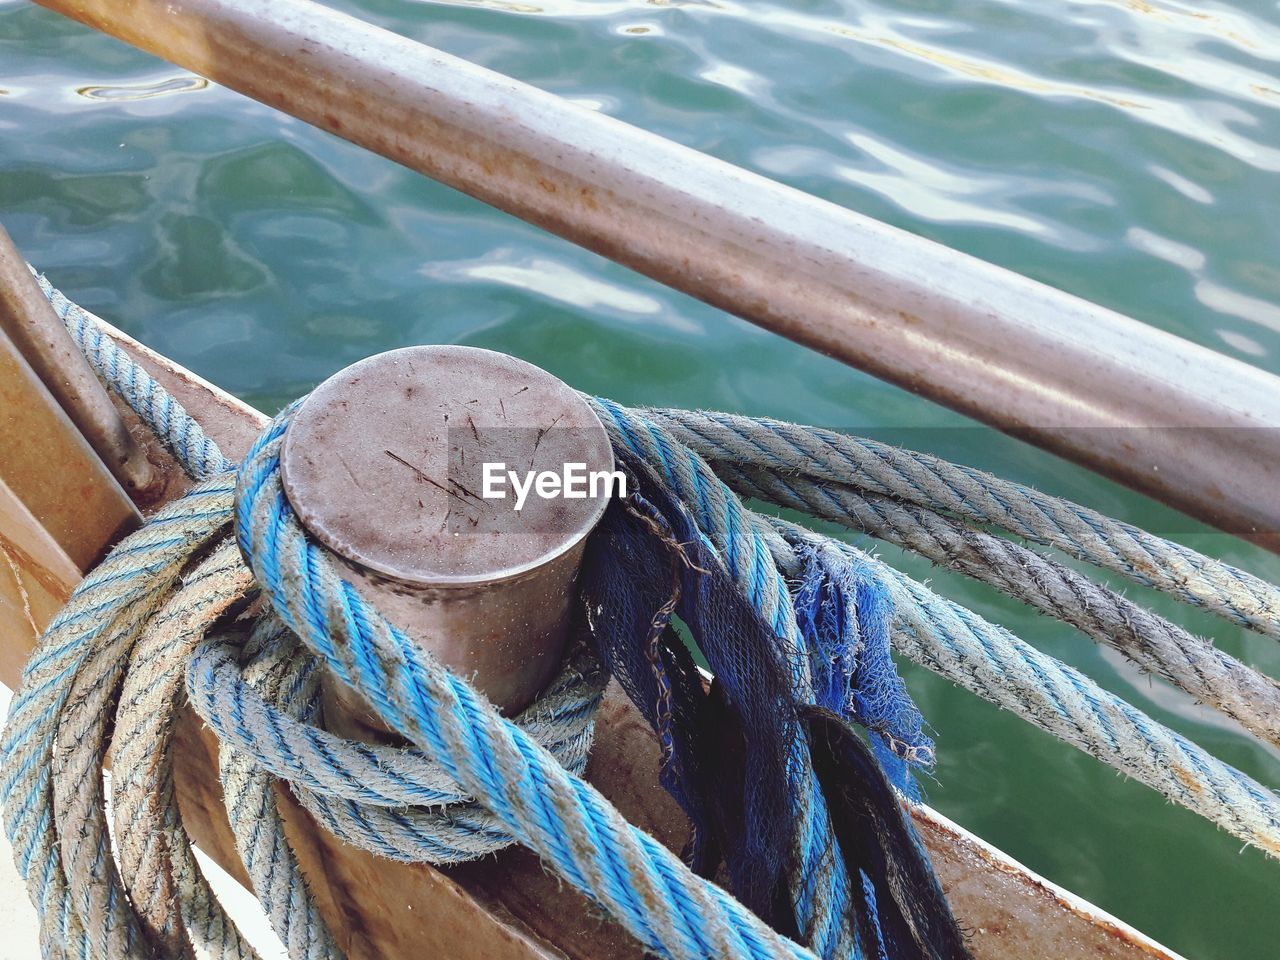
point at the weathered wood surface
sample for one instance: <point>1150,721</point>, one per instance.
<point>36,578</point>
<point>508,907</point>
<point>52,470</point>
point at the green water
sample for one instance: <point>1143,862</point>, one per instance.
<point>1125,151</point>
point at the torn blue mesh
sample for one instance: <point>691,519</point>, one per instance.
<point>844,615</point>
<point>724,747</point>
<point>726,743</point>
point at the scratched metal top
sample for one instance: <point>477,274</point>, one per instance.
<point>411,430</point>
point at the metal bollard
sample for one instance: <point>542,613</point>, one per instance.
<point>385,464</point>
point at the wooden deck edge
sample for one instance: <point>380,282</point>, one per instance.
<point>948,838</point>
<point>509,906</point>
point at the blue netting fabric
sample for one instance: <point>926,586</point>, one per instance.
<point>844,614</point>
<point>727,743</point>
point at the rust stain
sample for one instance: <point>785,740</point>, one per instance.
<point>22,589</point>
<point>20,560</point>
<point>1187,779</point>
<point>1145,567</point>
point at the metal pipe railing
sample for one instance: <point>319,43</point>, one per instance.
<point>28,319</point>
<point>1183,424</point>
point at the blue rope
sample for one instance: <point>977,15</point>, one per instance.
<point>536,801</point>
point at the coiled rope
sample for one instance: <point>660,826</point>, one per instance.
<point>159,615</point>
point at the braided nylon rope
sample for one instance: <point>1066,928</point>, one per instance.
<point>157,864</point>
<point>197,453</point>
<point>1149,640</point>
<point>351,785</point>
<point>825,456</point>
<point>472,781</point>
<point>253,808</point>
<point>990,661</point>
<point>533,797</point>
<point>107,611</point>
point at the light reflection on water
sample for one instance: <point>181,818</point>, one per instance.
<point>1125,151</point>
<point>144,91</point>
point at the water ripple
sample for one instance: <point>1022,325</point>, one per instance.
<point>144,91</point>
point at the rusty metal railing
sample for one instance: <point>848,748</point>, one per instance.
<point>1181,423</point>
<point>30,323</point>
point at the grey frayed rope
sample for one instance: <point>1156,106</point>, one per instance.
<point>1144,637</point>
